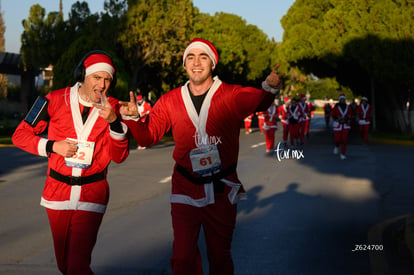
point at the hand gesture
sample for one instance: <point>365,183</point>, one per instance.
<point>129,108</point>
<point>274,79</point>
<point>106,110</point>
<point>66,148</point>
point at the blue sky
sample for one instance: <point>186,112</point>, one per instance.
<point>265,14</point>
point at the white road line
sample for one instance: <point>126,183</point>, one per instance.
<point>165,180</point>
<point>258,144</point>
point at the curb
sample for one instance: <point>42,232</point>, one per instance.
<point>392,141</point>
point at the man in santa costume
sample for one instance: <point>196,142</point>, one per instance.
<point>363,113</point>
<point>205,116</point>
<point>144,109</point>
<point>85,134</point>
<point>304,118</point>
<point>261,120</point>
<point>284,119</point>
<point>311,109</point>
<point>248,124</point>
<point>270,126</point>
<point>327,108</point>
<point>294,117</point>
<point>341,115</point>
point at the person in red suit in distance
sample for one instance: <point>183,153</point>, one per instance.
<point>304,118</point>
<point>327,109</point>
<point>248,124</point>
<point>284,119</point>
<point>260,120</point>
<point>270,126</point>
<point>144,108</point>
<point>85,134</point>
<point>294,116</point>
<point>363,112</point>
<point>311,109</point>
<point>341,115</point>
<point>204,115</point>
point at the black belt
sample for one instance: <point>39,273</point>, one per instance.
<point>215,178</point>
<point>70,180</point>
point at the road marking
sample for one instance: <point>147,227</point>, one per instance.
<point>258,144</point>
<point>166,180</point>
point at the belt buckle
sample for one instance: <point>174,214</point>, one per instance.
<point>75,180</point>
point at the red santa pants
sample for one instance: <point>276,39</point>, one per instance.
<point>270,138</point>
<point>307,126</point>
<point>247,125</point>
<point>285,131</point>
<point>261,121</point>
<point>364,130</point>
<point>74,236</point>
<point>302,126</point>
<point>341,138</point>
<point>293,132</point>
<point>218,221</point>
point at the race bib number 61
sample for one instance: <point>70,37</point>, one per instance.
<point>205,160</point>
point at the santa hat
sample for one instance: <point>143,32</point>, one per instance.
<point>98,63</point>
<point>287,99</point>
<point>301,96</point>
<point>364,98</point>
<point>341,96</point>
<point>205,45</point>
<point>139,97</point>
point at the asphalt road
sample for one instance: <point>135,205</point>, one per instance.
<point>302,216</point>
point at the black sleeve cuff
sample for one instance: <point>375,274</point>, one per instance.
<point>49,146</point>
<point>116,126</point>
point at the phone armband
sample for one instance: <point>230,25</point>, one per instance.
<point>38,111</point>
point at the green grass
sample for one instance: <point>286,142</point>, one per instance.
<point>391,135</point>
<point>5,140</point>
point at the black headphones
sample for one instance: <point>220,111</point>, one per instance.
<point>79,72</point>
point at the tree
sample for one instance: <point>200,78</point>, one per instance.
<point>155,33</point>
<point>245,51</point>
<point>349,40</point>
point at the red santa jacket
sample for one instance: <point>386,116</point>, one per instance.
<point>217,124</point>
<point>341,117</point>
<point>304,108</point>
<point>270,117</point>
<point>364,114</point>
<point>283,114</point>
<point>66,122</point>
<point>294,114</point>
<point>144,108</point>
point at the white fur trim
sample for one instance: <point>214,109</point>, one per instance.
<point>119,136</point>
<point>65,205</point>
<point>41,147</point>
<point>269,89</point>
<point>99,67</point>
<point>204,47</point>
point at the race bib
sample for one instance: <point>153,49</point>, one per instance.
<point>205,160</point>
<point>83,157</point>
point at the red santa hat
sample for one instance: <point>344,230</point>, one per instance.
<point>341,96</point>
<point>98,63</point>
<point>301,96</point>
<point>139,97</point>
<point>364,98</point>
<point>205,45</point>
<point>287,99</point>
